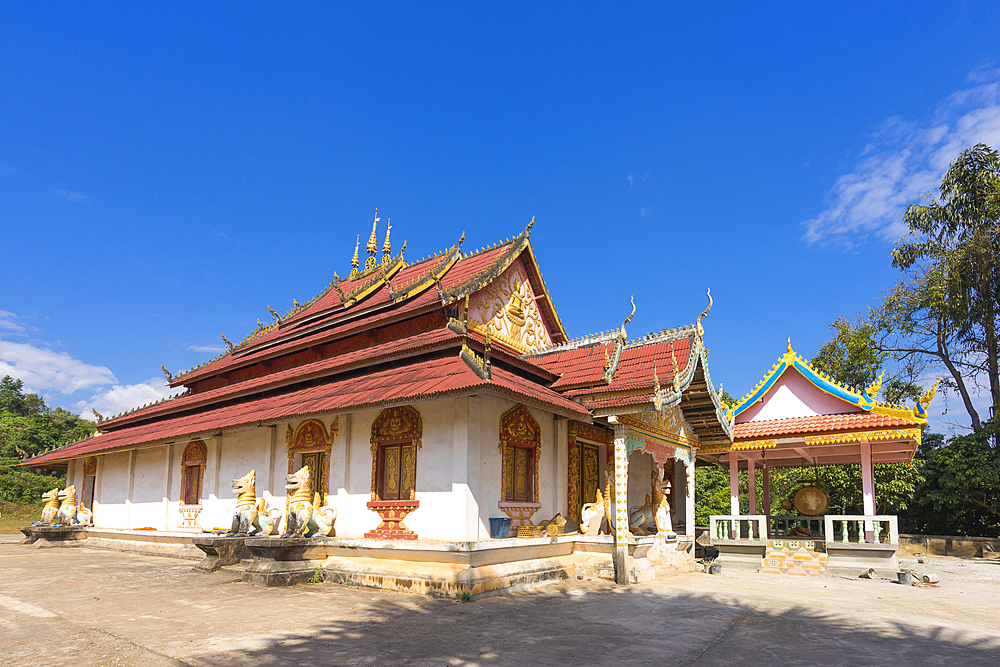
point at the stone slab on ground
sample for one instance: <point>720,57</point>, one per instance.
<point>63,607</point>
<point>220,551</point>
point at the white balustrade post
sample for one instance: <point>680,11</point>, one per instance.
<point>868,488</point>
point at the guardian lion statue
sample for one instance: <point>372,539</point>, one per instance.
<point>306,518</point>
<point>67,514</point>
<point>51,508</point>
<point>246,505</point>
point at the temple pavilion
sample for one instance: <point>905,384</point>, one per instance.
<point>445,391</point>
<point>797,416</point>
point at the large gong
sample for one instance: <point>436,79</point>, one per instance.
<point>811,500</point>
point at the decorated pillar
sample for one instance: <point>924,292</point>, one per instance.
<point>689,492</point>
<point>573,490</point>
<point>752,491</point>
<point>621,505</point>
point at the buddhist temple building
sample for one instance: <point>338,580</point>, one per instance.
<point>427,400</point>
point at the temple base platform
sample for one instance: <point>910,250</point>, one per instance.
<point>473,570</point>
<point>220,551</point>
<point>740,554</point>
<point>454,569</point>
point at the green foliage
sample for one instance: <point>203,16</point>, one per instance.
<point>27,428</point>
<point>959,493</point>
<point>711,493</point>
<point>317,577</point>
<point>894,487</point>
<point>25,486</point>
<point>851,358</point>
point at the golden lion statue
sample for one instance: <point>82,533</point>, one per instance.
<point>51,499</point>
<point>306,518</point>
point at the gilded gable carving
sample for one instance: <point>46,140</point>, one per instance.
<point>506,308</point>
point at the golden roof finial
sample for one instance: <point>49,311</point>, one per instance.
<point>789,344</point>
<point>354,260</point>
<point>386,247</point>
<point>373,239</point>
<point>274,312</point>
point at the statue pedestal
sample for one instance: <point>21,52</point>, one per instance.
<point>55,536</point>
<point>29,535</point>
<point>220,551</point>
<point>281,561</point>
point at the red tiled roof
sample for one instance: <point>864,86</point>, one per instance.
<point>433,378</point>
<point>850,421</point>
<point>582,368</point>
<point>421,342</point>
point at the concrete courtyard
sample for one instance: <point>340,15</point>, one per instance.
<point>83,606</point>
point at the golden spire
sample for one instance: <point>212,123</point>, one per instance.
<point>372,246</point>
<point>354,260</point>
<point>386,247</point>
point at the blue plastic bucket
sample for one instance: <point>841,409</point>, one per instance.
<point>499,527</point>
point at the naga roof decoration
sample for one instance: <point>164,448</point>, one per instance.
<point>633,383</point>
<point>865,400</point>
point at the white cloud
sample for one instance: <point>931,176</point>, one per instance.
<point>120,398</point>
<point>43,370</point>
<point>208,349</point>
<point>631,180</point>
<point>71,196</point>
<point>9,322</point>
<point>905,160</point>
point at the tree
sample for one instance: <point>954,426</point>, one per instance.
<point>29,427</point>
<point>959,493</point>
<point>947,310</point>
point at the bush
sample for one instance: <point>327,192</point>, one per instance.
<point>26,487</point>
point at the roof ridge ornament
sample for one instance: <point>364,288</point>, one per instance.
<point>229,344</point>
<point>274,312</point>
<point>372,246</point>
<point>166,372</point>
<point>355,263</point>
<point>697,323</point>
<point>386,247</point>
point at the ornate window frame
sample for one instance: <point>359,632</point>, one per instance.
<point>195,454</point>
<point>518,428</point>
<point>399,425</point>
<point>396,425</point>
<point>312,436</point>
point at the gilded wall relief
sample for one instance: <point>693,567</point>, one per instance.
<point>506,307</point>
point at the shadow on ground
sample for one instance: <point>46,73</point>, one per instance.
<point>602,626</point>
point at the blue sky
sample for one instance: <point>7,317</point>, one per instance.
<point>168,172</point>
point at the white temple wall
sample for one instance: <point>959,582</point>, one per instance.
<point>146,506</point>
<point>241,452</point>
<point>551,486</point>
<point>111,497</point>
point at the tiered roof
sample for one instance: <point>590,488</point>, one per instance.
<point>398,333</point>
